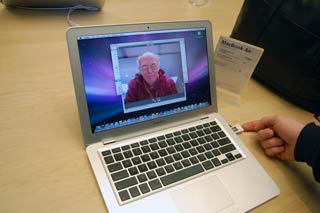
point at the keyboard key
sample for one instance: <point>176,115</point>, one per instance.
<point>144,188</point>
<point>171,150</point>
<point>184,131</point>
<point>227,148</point>
<point>163,152</point>
<point>116,150</point>
<point>134,191</point>
<point>128,154</point>
<point>216,162</point>
<point>185,154</point>
<point>186,163</point>
<point>161,162</point>
<point>215,136</point>
<point>135,145</point>
<point>136,160</point>
<point>109,159</point>
<point>208,138</point>
<point>177,133</point>
<point>151,175</point>
<point>193,151</point>
<point>178,147</point>
<point>142,168</point>
<point>152,140</point>
<point>160,138</point>
<point>186,137</point>
<point>201,157</point>
<point>214,144</point>
<point>238,155</point>
<point>124,195</point>
<point>137,151</point>
<point>207,165</point>
<point>170,135</point>
<point>105,153</point>
<point>126,183</point>
<point>178,139</point>
<point>216,152</point>
<point>119,175</point>
<point>155,184</point>
<point>200,149</point>
<point>142,178</point>
<point>207,131</point>
<point>162,144</point>
<point>145,149</point>
<point>133,171</point>
<point>201,140</point>
<point>126,163</point>
<point>126,147</point>
<point>144,142</point>
<point>118,157</point>
<point>177,157</point>
<point>181,174</point>
<point>224,141</point>
<point>215,128</point>
<point>200,133</point>
<point>152,165</point>
<point>115,167</point>
<point>194,160</point>
<point>193,135</point>
<point>160,171</point>
<point>169,159</point>
<point>154,155</point>
<point>221,134</point>
<point>170,141</point>
<point>154,146</point>
<point>145,158</point>
<point>224,161</point>
<point>199,126</point>
<point>169,168</point>
<point>230,156</point>
<point>209,155</point>
<point>186,145</point>
<point>177,166</point>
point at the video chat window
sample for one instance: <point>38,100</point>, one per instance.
<point>164,58</point>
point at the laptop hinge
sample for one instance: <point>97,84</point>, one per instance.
<point>108,142</point>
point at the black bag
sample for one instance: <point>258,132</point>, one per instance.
<point>289,32</point>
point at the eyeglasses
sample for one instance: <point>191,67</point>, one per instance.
<point>317,116</point>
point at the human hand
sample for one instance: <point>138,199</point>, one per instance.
<point>276,134</point>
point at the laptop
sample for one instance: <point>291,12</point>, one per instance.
<point>169,151</point>
<point>53,4</point>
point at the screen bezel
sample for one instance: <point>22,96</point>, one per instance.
<point>147,126</point>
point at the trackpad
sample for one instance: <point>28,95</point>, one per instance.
<point>207,195</point>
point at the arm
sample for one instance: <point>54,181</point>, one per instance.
<point>308,148</point>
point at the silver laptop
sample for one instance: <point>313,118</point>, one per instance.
<point>160,148</point>
<point>57,4</point>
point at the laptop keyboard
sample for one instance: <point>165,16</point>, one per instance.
<point>148,166</point>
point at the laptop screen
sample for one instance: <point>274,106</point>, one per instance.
<point>138,76</point>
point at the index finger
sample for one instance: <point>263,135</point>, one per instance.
<point>253,126</point>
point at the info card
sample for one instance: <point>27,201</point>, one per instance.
<point>235,62</point>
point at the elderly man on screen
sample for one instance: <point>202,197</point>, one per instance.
<point>150,82</point>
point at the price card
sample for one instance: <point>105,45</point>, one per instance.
<point>235,62</point>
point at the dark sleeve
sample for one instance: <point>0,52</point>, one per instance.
<point>308,148</point>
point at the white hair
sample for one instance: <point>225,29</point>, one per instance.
<point>148,54</point>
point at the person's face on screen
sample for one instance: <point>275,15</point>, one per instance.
<point>149,68</point>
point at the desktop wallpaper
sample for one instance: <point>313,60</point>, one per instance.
<point>105,106</point>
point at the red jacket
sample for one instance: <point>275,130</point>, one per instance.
<point>139,90</point>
